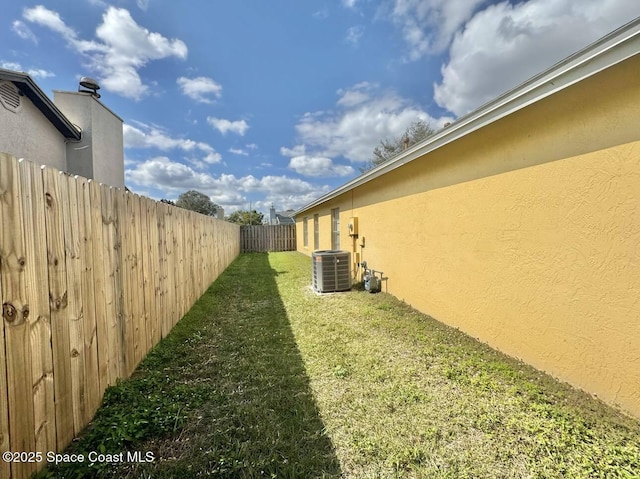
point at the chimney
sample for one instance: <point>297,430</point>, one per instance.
<point>272,215</point>
<point>100,153</point>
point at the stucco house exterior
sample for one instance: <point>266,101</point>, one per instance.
<point>521,221</point>
<point>75,132</point>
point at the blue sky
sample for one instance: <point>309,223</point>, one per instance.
<point>257,102</point>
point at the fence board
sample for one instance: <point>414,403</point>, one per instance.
<point>137,284</point>
<point>87,288</point>
<point>177,265</point>
<point>100,267</point>
<point>193,287</point>
<point>265,238</point>
<point>108,257</point>
<point>5,467</point>
<point>58,298</point>
<point>120,226</point>
<point>118,324</point>
<point>37,287</point>
<point>163,268</point>
<point>170,291</point>
<point>151,272</point>
<point>74,301</point>
<point>142,281</point>
<point>15,313</point>
<point>129,283</point>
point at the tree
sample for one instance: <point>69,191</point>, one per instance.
<point>389,148</point>
<point>245,217</point>
<point>199,202</point>
<point>167,202</point>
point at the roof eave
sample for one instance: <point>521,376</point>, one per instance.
<point>611,49</point>
<point>32,91</point>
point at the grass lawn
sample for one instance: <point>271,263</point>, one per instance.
<point>265,378</point>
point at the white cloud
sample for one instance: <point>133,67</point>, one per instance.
<point>354,34</point>
<point>349,3</point>
<point>34,72</point>
<point>124,47</point>
<point>40,73</point>
<point>321,14</point>
<point>505,44</point>
<point>238,151</point>
<point>50,19</point>
<point>318,166</point>
<point>212,157</point>
<point>224,126</point>
<point>287,193</point>
<point>200,88</point>
<point>429,25</point>
<point>161,172</point>
<point>365,115</point>
<point>313,165</point>
<point>23,31</point>
<point>295,151</point>
<point>149,137</point>
<point>357,94</point>
<point>228,191</point>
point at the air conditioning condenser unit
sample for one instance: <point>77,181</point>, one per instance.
<point>331,270</point>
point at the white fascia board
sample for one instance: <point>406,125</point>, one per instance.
<point>606,52</point>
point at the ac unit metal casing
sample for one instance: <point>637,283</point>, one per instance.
<point>331,270</point>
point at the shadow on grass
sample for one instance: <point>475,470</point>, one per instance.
<point>231,376</point>
<point>263,420</point>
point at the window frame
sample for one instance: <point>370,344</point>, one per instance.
<point>305,231</point>
<point>316,231</point>
<point>335,228</point>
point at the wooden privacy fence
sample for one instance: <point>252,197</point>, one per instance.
<point>91,278</point>
<point>264,238</point>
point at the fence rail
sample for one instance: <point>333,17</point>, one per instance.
<point>91,278</point>
<point>265,238</point>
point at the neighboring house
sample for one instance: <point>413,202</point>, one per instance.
<point>75,132</point>
<point>520,221</point>
<point>281,217</point>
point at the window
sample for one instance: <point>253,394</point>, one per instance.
<point>316,232</point>
<point>335,228</point>
<point>305,232</point>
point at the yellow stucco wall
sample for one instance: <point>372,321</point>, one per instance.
<point>525,234</point>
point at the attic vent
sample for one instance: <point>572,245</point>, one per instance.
<point>9,96</point>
